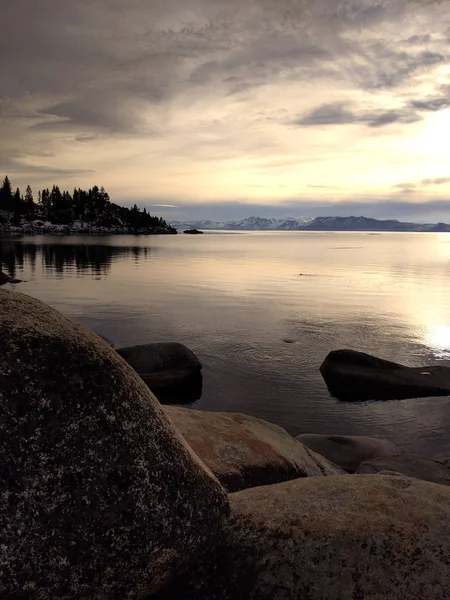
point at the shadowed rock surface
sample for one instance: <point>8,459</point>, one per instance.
<point>352,375</point>
<point>348,451</point>
<point>101,496</point>
<point>329,538</point>
<point>412,466</point>
<point>243,451</point>
<point>162,365</point>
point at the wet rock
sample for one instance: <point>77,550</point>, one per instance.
<point>412,466</point>
<point>352,375</point>
<point>162,365</point>
<point>329,538</point>
<point>243,451</point>
<point>4,278</point>
<point>101,496</point>
<point>348,451</point>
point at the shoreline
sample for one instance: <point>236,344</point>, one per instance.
<point>62,230</point>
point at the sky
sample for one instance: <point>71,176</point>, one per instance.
<point>224,109</point>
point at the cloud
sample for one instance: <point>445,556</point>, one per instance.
<point>340,114</point>
<point>191,98</point>
<point>431,104</point>
<point>411,187</point>
<point>419,40</point>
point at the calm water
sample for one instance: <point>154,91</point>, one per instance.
<point>236,299</point>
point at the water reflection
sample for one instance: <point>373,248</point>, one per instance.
<point>233,299</point>
<point>95,258</point>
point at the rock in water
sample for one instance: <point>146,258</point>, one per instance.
<point>348,451</point>
<point>101,497</point>
<point>162,365</point>
<point>412,466</point>
<point>243,451</point>
<point>329,538</point>
<point>352,375</point>
<point>4,278</point>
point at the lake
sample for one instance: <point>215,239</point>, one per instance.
<point>262,310</point>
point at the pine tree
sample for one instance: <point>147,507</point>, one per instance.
<point>6,195</point>
<point>17,206</point>
<point>29,195</point>
<point>30,207</point>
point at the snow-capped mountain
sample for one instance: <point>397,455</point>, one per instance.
<point>306,224</point>
<point>249,224</point>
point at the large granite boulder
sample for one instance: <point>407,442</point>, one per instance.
<point>171,370</point>
<point>329,538</point>
<point>101,496</point>
<point>352,375</point>
<point>348,451</point>
<point>412,466</point>
<point>243,451</point>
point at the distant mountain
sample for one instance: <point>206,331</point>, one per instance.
<point>368,224</point>
<point>306,224</point>
<point>249,224</point>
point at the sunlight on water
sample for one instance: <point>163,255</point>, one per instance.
<point>439,340</point>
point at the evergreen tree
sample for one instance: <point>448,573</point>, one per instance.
<point>30,207</point>
<point>6,195</point>
<point>17,206</point>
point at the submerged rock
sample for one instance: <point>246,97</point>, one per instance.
<point>352,375</point>
<point>163,365</point>
<point>243,451</point>
<point>412,466</point>
<point>101,496</point>
<point>348,451</point>
<point>329,538</point>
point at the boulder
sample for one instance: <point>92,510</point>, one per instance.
<point>4,278</point>
<point>412,466</point>
<point>352,375</point>
<point>348,451</point>
<point>101,496</point>
<point>329,538</point>
<point>243,451</point>
<point>163,365</point>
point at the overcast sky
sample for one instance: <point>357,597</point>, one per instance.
<point>228,108</point>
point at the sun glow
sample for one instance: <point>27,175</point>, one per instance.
<point>439,338</point>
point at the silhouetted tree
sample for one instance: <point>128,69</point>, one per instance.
<point>17,206</point>
<point>92,206</point>
<point>6,195</point>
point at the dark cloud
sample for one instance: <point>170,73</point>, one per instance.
<point>339,114</point>
<point>431,104</point>
<point>419,40</point>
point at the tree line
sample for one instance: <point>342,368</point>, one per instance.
<point>61,207</point>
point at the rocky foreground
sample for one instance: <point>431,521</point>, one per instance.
<point>107,495</point>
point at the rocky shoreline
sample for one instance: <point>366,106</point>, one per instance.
<point>47,228</point>
<point>109,495</point>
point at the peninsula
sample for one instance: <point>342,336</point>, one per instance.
<point>60,212</point>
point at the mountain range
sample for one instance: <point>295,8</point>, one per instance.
<point>311,224</point>
<point>249,224</point>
